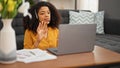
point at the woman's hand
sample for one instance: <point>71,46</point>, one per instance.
<point>42,30</point>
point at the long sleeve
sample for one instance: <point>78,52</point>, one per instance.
<point>28,40</point>
<point>53,38</point>
<point>49,42</point>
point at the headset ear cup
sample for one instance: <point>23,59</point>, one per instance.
<point>36,14</point>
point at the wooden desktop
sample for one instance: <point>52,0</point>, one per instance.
<point>99,57</point>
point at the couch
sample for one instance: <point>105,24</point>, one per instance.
<point>111,37</point>
<point>109,40</point>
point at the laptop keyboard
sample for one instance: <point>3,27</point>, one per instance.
<point>53,49</point>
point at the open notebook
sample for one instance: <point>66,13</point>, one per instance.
<point>33,55</point>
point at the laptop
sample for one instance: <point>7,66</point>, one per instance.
<point>75,38</point>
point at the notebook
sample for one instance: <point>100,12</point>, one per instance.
<point>77,38</point>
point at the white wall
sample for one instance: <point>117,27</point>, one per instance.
<point>81,4</point>
<point>92,5</point>
<point>63,4</point>
<point>43,0</point>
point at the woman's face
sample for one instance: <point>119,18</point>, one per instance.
<point>44,14</point>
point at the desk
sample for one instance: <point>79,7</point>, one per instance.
<point>100,56</point>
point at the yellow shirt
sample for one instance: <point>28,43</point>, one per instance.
<point>49,42</point>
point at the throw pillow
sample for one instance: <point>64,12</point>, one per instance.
<point>99,18</point>
<point>81,18</point>
<point>84,17</point>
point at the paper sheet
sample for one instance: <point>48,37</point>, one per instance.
<point>33,55</point>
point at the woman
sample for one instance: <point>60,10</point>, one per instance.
<point>41,30</point>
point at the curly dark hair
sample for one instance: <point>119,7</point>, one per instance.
<point>33,23</point>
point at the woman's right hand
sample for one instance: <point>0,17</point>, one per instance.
<point>42,30</point>
<point>41,33</point>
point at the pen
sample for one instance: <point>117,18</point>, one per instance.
<point>32,53</point>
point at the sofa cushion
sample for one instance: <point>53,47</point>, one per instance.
<point>19,41</point>
<point>18,26</point>
<point>112,26</point>
<point>1,25</point>
<point>65,15</point>
<point>108,41</point>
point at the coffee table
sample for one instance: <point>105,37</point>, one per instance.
<point>99,57</point>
